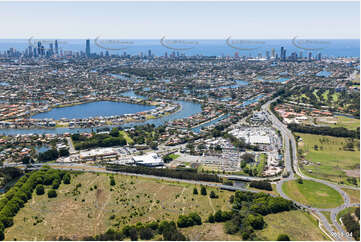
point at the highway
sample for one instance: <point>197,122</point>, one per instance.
<point>288,138</point>
<point>291,167</point>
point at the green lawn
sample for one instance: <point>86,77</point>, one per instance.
<point>312,194</point>
<point>345,211</point>
<point>335,96</point>
<point>315,92</point>
<point>261,164</point>
<point>298,225</point>
<point>353,194</point>
<point>174,156</point>
<point>325,95</point>
<point>348,123</point>
<point>341,121</point>
<point>126,137</point>
<point>335,163</point>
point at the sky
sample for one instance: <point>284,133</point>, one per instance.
<point>186,20</point>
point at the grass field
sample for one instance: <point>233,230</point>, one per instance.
<point>89,209</point>
<point>341,121</point>
<point>335,163</point>
<point>298,225</point>
<point>126,137</point>
<point>353,194</point>
<point>325,95</point>
<point>313,194</point>
<point>345,211</point>
<point>174,156</point>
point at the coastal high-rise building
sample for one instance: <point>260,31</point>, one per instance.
<point>273,52</point>
<point>51,49</point>
<point>149,53</point>
<point>267,55</point>
<point>56,47</point>
<point>87,48</point>
<point>309,56</point>
<point>283,54</point>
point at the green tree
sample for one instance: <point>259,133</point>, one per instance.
<point>213,195</point>
<point>66,178</point>
<point>195,191</point>
<point>283,237</point>
<point>203,190</point>
<point>39,189</point>
<point>52,193</point>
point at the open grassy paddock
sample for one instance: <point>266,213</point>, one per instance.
<point>298,225</point>
<point>329,160</point>
<point>353,194</point>
<point>313,194</point>
<point>94,206</point>
<point>89,210</point>
<point>340,121</point>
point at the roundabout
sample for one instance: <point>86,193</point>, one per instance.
<point>313,194</point>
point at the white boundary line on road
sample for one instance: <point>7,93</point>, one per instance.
<point>320,226</point>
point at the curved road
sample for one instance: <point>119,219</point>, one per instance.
<point>288,139</point>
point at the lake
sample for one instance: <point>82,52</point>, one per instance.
<point>280,80</point>
<point>188,109</point>
<point>94,109</point>
<point>323,73</point>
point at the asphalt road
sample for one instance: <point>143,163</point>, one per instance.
<point>288,139</point>
<point>287,135</point>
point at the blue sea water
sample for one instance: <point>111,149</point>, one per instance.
<point>219,47</point>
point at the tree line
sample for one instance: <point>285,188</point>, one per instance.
<point>147,231</point>
<point>98,140</point>
<point>164,172</point>
<point>261,185</point>
<point>14,199</point>
<point>336,132</point>
<point>351,224</point>
<point>247,213</point>
<point>52,154</point>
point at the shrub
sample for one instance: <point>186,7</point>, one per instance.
<point>283,237</point>
<point>112,181</point>
<point>146,233</point>
<point>66,178</point>
<point>2,229</point>
<point>230,227</point>
<point>213,195</point>
<point>52,193</point>
<point>203,190</point>
<point>39,189</point>
<point>195,191</point>
<point>211,218</point>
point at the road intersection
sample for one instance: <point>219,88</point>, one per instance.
<point>291,164</point>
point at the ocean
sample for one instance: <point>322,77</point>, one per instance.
<point>226,47</point>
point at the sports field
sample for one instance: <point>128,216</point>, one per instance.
<point>328,159</point>
<point>313,194</point>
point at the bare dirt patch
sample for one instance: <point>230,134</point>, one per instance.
<point>353,173</point>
